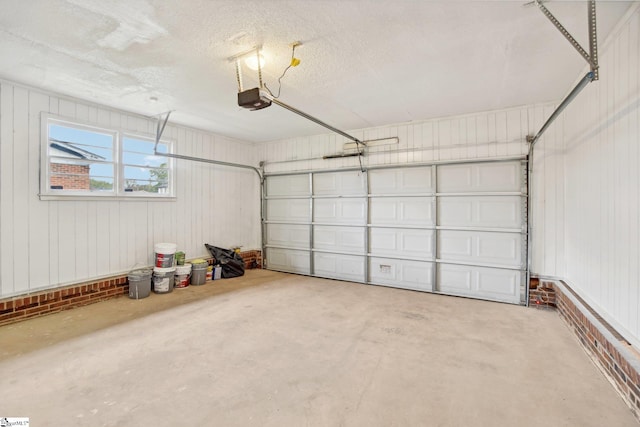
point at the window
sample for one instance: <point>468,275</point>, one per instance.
<point>143,172</point>
<point>83,161</point>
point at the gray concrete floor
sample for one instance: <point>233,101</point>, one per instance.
<point>273,349</point>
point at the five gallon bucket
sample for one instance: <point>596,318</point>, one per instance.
<point>183,273</point>
<point>139,283</point>
<point>163,279</point>
<point>199,272</point>
<point>164,254</point>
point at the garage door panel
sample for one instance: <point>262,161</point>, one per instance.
<point>483,282</point>
<point>289,260</point>
<point>288,185</point>
<point>412,243</point>
<point>413,211</point>
<point>295,210</point>
<point>401,273</point>
<point>480,211</point>
<point>481,247</point>
<point>340,211</point>
<point>480,177</point>
<point>339,183</point>
<point>291,235</point>
<point>336,266</point>
<point>401,181</point>
<point>339,239</point>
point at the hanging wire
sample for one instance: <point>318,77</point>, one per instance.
<point>293,52</point>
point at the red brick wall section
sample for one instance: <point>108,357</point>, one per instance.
<point>53,300</point>
<point>613,355</point>
<point>70,177</point>
<point>252,259</point>
<point>541,294</point>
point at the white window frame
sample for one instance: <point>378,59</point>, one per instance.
<point>118,134</point>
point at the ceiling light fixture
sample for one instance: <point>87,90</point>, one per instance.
<point>251,61</point>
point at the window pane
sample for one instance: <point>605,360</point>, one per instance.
<point>130,158</point>
<point>76,175</point>
<point>143,171</point>
<point>80,143</point>
<point>146,180</point>
<point>140,152</point>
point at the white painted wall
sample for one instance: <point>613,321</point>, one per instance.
<point>490,135</point>
<point>593,152</point>
<point>46,244</point>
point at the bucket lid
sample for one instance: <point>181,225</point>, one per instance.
<point>140,274</point>
<point>198,262</point>
<point>164,270</point>
<point>165,248</point>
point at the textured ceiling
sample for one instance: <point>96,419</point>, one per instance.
<point>363,63</point>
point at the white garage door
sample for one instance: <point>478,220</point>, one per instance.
<point>457,229</point>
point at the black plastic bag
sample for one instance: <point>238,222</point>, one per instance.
<point>231,262</point>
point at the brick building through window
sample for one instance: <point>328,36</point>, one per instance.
<point>71,169</point>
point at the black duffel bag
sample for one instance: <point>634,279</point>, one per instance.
<point>230,261</point>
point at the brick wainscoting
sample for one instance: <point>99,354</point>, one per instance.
<point>609,351</point>
<point>541,295</point>
<point>49,301</point>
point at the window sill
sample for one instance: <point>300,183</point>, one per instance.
<point>105,198</point>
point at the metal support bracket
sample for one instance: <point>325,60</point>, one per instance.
<point>236,59</point>
<point>592,56</point>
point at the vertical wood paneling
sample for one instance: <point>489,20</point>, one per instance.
<point>54,219</point>
<point>21,190</point>
<point>633,56</point>
<point>38,212</point>
<point>6,195</point>
<point>81,228</point>
<point>589,201</point>
<point>66,249</point>
<point>45,244</point>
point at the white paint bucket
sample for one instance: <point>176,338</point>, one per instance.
<point>183,273</point>
<point>163,279</point>
<point>164,254</point>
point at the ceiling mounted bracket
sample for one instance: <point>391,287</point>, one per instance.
<point>592,56</point>
<point>160,129</point>
<point>236,59</point>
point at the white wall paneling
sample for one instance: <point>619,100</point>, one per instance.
<point>47,244</point>
<point>586,186</point>
<point>483,135</point>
